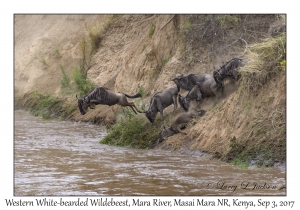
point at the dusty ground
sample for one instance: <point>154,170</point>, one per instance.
<point>144,51</point>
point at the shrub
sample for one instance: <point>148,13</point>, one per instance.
<point>151,30</point>
<point>45,105</point>
<point>65,81</point>
<point>132,130</point>
<point>83,84</point>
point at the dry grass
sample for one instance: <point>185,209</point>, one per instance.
<point>265,60</point>
<point>97,32</point>
<point>260,101</point>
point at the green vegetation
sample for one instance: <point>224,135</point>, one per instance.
<point>83,84</point>
<point>182,37</point>
<point>57,52</point>
<point>151,30</point>
<point>85,61</point>
<point>166,60</point>
<point>224,19</point>
<point>65,81</point>
<point>96,33</point>
<point>46,106</point>
<point>42,59</point>
<point>263,154</point>
<point>132,130</point>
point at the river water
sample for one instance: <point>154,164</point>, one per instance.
<point>65,158</point>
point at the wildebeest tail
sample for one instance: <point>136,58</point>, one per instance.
<point>138,95</point>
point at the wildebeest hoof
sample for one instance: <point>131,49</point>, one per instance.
<point>202,112</point>
<point>159,140</point>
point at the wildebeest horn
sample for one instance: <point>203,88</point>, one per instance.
<point>76,96</point>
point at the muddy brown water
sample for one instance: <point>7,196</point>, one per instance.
<point>65,158</point>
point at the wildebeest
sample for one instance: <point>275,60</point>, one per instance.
<point>160,101</point>
<point>193,94</point>
<point>188,82</point>
<point>102,95</point>
<point>181,119</point>
<point>209,88</point>
<point>228,70</point>
<point>213,87</point>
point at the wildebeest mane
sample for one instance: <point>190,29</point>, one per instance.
<point>229,69</point>
<point>230,65</point>
<point>99,92</point>
<point>151,102</point>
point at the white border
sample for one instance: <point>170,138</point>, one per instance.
<point>9,8</point>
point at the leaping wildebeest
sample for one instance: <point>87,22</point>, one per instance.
<point>102,95</point>
<point>162,100</point>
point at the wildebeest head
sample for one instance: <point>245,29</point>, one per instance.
<point>228,70</point>
<point>181,81</point>
<point>165,133</point>
<point>217,76</point>
<point>150,114</point>
<point>83,105</point>
<point>152,110</point>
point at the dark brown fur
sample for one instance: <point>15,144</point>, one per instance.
<point>102,95</point>
<point>181,119</point>
<point>160,101</point>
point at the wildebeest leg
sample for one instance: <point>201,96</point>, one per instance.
<point>175,103</point>
<point>96,102</point>
<point>136,108</point>
<point>131,104</point>
<point>180,131</point>
<point>92,106</point>
<point>132,109</point>
<point>160,108</point>
<point>217,91</point>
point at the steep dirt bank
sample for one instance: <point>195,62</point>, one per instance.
<point>135,52</point>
